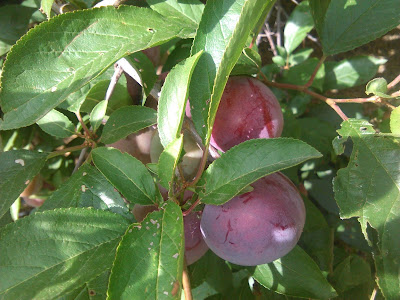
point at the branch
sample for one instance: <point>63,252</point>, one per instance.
<point>114,80</point>
<point>310,81</point>
<point>394,82</point>
<point>66,150</point>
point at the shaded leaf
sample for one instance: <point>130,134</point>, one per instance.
<point>87,187</point>
<point>17,168</point>
<point>172,103</point>
<point>45,7</point>
<point>295,274</point>
<point>189,11</point>
<point>97,114</point>
<point>300,23</point>
<point>222,35</point>
<point>128,175</point>
<point>14,21</point>
<point>56,124</point>
<point>90,42</point>
<point>360,22</point>
<point>369,188</point>
<point>149,260</point>
<point>249,63</point>
<point>57,257</point>
<point>168,161</point>
<point>127,120</point>
<point>247,162</point>
<point>395,121</point>
<point>350,72</point>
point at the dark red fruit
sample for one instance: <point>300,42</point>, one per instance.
<point>256,227</point>
<point>248,110</point>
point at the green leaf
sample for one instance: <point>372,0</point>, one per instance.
<point>301,73</point>
<point>145,70</point>
<point>86,98</point>
<point>318,11</point>
<point>128,175</point>
<point>249,63</point>
<point>395,121</point>
<point>172,103</point>
<point>189,11</point>
<point>300,56</point>
<point>300,23</point>
<point>17,168</point>
<point>248,162</point>
<point>378,87</point>
<point>369,188</point>
<point>352,278</point>
<point>360,23</point>
<point>56,124</point>
<point>168,161</point>
<point>45,7</point>
<point>127,120</point>
<point>97,288</point>
<point>317,237</point>
<point>14,21</point>
<point>97,115</point>
<point>180,52</point>
<point>295,274</point>
<point>61,250</point>
<point>222,35</point>
<point>87,187</point>
<point>149,259</point>
<point>90,41</point>
<point>350,72</point>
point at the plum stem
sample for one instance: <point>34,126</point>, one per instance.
<point>186,282</point>
<point>189,210</point>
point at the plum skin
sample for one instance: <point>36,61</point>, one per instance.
<point>248,110</point>
<point>257,227</point>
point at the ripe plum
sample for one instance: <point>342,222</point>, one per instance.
<point>195,247</point>
<point>248,110</point>
<point>256,227</point>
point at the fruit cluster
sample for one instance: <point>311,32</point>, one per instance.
<point>253,228</point>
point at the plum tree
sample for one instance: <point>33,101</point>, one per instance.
<point>256,227</point>
<point>248,110</point>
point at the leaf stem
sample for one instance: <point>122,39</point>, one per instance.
<point>80,159</point>
<point>311,80</point>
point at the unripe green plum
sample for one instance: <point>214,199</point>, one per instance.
<point>248,110</point>
<point>257,227</point>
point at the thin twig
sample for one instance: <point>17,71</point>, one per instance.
<point>311,80</point>
<point>186,282</point>
<point>80,159</point>
<point>394,82</point>
<point>85,129</point>
<point>113,82</point>
<point>189,210</point>
<point>270,40</point>
<point>373,295</point>
<point>278,24</point>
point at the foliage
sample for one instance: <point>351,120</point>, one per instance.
<point>77,78</point>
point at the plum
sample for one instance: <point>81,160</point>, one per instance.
<point>195,247</point>
<point>256,227</point>
<point>248,110</point>
<point>136,144</point>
